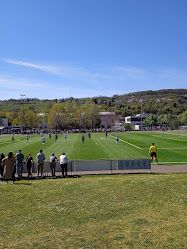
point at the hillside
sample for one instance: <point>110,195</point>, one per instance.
<point>173,101</point>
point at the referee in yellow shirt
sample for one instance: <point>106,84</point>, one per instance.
<point>153,151</point>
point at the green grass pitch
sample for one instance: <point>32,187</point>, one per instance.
<point>140,211</point>
<point>171,147</point>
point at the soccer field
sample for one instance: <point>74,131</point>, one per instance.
<point>172,147</point>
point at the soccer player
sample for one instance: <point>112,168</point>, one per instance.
<point>106,134</point>
<point>83,139</point>
<point>49,135</point>
<point>27,138</point>
<point>89,135</point>
<point>162,133</point>
<point>153,151</point>
<point>117,139</point>
<point>12,138</point>
<point>65,136</point>
<point>56,137</point>
<point>43,138</point>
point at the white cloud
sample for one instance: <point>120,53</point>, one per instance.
<point>49,69</point>
<point>82,82</point>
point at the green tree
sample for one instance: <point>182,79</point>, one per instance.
<point>166,119</point>
<point>182,118</point>
<point>57,117</point>
<point>127,127</point>
<point>21,115</point>
<point>31,119</point>
<point>150,120</point>
<point>160,120</point>
<point>91,117</point>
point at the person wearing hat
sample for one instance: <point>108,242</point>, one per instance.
<point>29,161</point>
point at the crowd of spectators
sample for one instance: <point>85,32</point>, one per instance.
<point>11,164</point>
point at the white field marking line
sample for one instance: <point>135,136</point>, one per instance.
<point>170,162</point>
<point>174,134</point>
<point>128,143</point>
<point>95,141</point>
<point>170,138</point>
<point>182,148</point>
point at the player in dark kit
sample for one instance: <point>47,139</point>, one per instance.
<point>83,139</point>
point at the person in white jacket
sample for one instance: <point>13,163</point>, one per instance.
<point>63,163</point>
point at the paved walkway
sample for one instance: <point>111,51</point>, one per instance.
<point>168,168</point>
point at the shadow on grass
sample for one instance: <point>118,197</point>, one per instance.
<point>17,180</point>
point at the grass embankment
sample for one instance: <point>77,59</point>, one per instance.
<point>121,211</point>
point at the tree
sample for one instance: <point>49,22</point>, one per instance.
<point>21,115</point>
<point>127,127</point>
<point>150,120</point>
<point>166,119</point>
<point>31,119</point>
<point>183,118</point>
<point>160,120</point>
<point>91,117</point>
<point>57,116</point>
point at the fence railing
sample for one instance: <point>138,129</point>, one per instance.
<point>107,166</point>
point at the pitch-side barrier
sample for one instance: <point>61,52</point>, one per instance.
<point>81,167</point>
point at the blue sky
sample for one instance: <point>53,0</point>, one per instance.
<point>85,48</point>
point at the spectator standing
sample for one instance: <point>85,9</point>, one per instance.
<point>40,160</point>
<point>19,162</point>
<point>9,169</point>
<point>63,163</point>
<point>53,160</point>
<point>1,164</point>
<point>29,161</point>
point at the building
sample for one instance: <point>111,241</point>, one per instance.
<point>136,120</point>
<point>4,121</point>
<point>107,119</point>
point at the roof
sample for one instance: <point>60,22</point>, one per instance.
<point>107,113</point>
